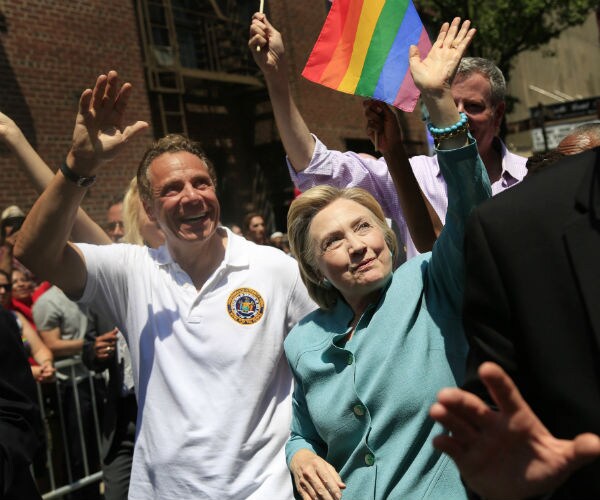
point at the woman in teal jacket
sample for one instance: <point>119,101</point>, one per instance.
<point>369,362</point>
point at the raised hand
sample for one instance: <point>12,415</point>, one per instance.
<point>437,70</point>
<point>315,478</point>
<point>381,123</point>
<point>265,36</point>
<point>9,131</point>
<point>100,132</point>
<point>506,453</point>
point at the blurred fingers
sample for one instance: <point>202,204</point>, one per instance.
<point>460,428</point>
<point>111,90</point>
<point>98,92</point>
<point>441,35</point>
<point>452,30</point>
<point>501,387</point>
<point>467,407</point>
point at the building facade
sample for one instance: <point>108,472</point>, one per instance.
<point>191,71</point>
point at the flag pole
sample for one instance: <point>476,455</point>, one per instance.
<point>261,9</point>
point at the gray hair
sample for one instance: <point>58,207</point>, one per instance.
<point>592,129</point>
<point>470,65</point>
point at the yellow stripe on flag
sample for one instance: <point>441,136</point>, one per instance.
<point>366,26</point>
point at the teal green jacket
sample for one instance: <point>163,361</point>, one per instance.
<point>363,405</point>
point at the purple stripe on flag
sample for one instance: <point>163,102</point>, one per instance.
<point>408,94</point>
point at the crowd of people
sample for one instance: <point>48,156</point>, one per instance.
<point>456,358</point>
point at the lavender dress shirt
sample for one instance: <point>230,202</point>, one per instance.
<point>348,169</point>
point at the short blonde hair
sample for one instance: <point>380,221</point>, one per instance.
<point>131,215</point>
<point>300,216</point>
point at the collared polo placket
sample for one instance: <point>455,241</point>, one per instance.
<point>195,314</point>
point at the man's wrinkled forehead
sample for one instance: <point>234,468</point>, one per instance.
<point>169,163</point>
<point>472,84</point>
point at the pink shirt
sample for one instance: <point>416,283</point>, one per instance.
<point>348,169</point>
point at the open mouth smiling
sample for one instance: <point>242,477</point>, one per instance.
<point>192,219</point>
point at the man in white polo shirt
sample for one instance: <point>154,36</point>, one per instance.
<point>206,314</point>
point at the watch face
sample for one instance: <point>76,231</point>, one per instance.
<point>86,181</point>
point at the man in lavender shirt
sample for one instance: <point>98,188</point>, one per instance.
<point>478,89</point>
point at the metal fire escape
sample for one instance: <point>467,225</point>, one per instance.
<point>163,68</point>
<point>203,83</point>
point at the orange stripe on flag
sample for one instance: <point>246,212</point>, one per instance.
<point>337,67</point>
<point>364,33</point>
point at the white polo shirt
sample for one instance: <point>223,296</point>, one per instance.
<point>211,378</point>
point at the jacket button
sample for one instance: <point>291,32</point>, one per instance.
<point>369,459</point>
<point>350,358</point>
<point>359,410</point>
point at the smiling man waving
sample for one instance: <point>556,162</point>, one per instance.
<point>205,314</point>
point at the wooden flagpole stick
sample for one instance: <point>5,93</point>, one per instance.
<point>261,9</point>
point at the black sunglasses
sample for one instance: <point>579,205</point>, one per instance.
<point>111,226</point>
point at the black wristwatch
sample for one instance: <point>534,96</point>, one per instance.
<point>77,179</point>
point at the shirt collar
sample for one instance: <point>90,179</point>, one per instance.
<point>236,253</point>
<point>514,169</point>
<point>512,164</point>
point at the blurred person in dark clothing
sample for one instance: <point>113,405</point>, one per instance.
<point>21,429</point>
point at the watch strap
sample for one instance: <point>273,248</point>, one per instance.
<point>75,178</point>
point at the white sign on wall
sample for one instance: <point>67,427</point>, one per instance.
<point>554,133</point>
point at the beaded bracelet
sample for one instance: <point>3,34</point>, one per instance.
<point>439,134</point>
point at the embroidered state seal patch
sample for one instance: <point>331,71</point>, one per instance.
<point>245,306</point>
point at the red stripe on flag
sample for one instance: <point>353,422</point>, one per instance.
<point>328,64</point>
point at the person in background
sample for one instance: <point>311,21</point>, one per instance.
<point>43,366</point>
<point>11,221</point>
<point>25,292</point>
<point>21,427</point>
<point>114,219</point>
<point>139,229</point>
<point>478,89</point>
<point>582,138</point>
<point>532,319</point>
<point>235,229</point>
<point>254,228</point>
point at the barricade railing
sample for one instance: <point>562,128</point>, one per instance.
<point>70,412</point>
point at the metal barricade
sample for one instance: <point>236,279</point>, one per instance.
<point>66,413</point>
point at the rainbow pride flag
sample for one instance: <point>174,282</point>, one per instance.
<point>363,49</point>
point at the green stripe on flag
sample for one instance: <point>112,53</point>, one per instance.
<point>383,38</point>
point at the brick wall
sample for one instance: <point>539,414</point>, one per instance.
<point>49,52</point>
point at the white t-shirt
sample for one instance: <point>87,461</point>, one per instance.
<point>213,386</point>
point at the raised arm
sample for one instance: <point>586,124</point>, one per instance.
<point>40,175</point>
<point>98,136</point>
<point>384,130</point>
<point>433,77</point>
<point>299,144</point>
